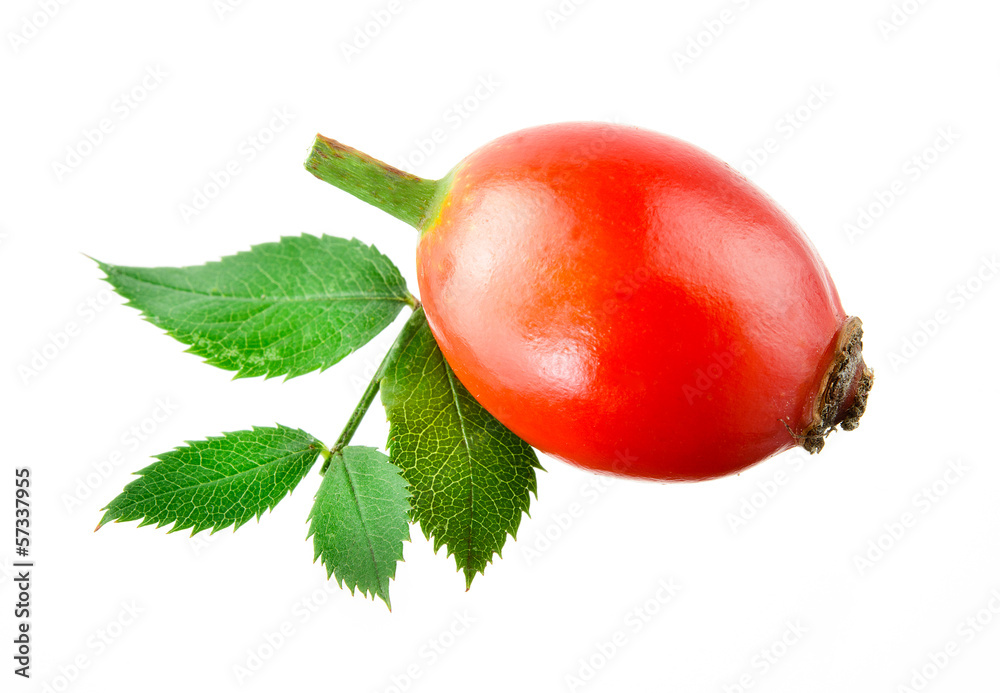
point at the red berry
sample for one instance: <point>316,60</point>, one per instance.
<point>624,301</point>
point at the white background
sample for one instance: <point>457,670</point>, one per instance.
<point>890,84</point>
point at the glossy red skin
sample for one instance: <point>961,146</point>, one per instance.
<point>583,278</point>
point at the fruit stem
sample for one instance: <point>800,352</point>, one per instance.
<point>401,194</point>
<point>415,322</point>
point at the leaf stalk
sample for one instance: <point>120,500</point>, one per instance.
<point>411,327</point>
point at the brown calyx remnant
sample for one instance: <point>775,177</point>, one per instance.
<point>843,392</point>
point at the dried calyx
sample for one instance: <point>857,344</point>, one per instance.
<point>843,393</point>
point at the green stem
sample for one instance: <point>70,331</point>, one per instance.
<point>403,195</point>
<point>416,321</point>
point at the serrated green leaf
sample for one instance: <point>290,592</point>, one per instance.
<point>470,477</point>
<point>283,308</point>
<point>360,520</point>
<point>217,482</point>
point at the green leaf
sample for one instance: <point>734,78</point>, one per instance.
<point>470,477</point>
<point>283,308</point>
<point>217,482</point>
<point>360,520</point>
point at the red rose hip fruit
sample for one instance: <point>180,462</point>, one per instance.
<point>623,300</point>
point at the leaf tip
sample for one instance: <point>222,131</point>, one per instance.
<point>105,518</point>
